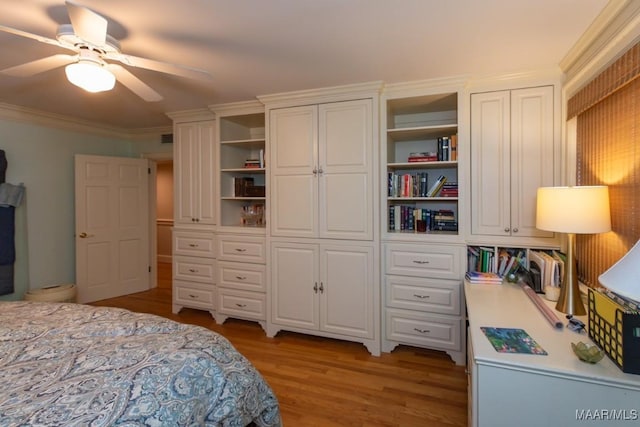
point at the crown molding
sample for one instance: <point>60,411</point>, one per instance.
<point>62,122</point>
<point>515,79</point>
<point>237,108</point>
<point>613,32</point>
<point>424,87</point>
<point>328,94</point>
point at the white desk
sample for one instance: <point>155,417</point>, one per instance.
<point>532,390</point>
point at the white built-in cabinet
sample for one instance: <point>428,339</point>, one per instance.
<point>323,217</point>
<point>322,170</point>
<point>194,247</point>
<point>513,152</point>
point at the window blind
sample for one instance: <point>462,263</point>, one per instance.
<point>608,153</point>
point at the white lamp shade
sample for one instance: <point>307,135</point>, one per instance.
<point>90,76</point>
<point>623,277</point>
<point>580,210</point>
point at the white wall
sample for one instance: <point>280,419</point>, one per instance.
<point>43,159</point>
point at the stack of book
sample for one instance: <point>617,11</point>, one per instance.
<point>449,189</point>
<point>444,220</point>
<point>422,157</point>
<point>483,277</point>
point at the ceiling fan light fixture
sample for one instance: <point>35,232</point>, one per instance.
<point>90,76</point>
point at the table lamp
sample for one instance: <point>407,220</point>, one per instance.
<point>573,210</point>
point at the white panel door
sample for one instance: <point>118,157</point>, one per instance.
<point>345,163</point>
<point>294,285</point>
<point>112,227</point>
<point>293,169</point>
<point>346,299</point>
<point>490,163</point>
<point>532,155</point>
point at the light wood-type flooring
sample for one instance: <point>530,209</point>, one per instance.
<point>323,382</point>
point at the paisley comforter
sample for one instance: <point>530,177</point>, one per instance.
<point>77,365</point>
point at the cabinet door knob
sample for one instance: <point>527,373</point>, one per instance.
<point>315,171</point>
<point>320,171</point>
<point>506,229</point>
<point>515,230</point>
<point>321,288</point>
<point>315,287</point>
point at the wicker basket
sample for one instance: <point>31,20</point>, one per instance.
<point>58,293</point>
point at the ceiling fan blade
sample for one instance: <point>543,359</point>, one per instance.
<point>40,65</point>
<point>134,84</point>
<point>163,67</point>
<point>87,24</point>
<point>36,37</point>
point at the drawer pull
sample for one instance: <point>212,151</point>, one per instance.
<point>417,261</point>
<point>193,245</point>
<point>193,296</point>
<point>193,270</point>
<point>241,277</point>
<point>422,331</point>
<point>241,250</point>
<point>422,296</point>
<point>241,305</point>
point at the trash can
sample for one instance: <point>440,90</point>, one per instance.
<point>58,293</point>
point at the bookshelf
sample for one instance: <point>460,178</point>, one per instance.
<point>422,147</point>
<point>242,169</point>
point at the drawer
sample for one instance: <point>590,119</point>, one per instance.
<point>242,248</point>
<point>237,275</point>
<point>194,269</point>
<point>437,261</point>
<point>243,304</point>
<point>191,243</point>
<point>194,295</point>
<point>425,295</point>
<point>426,330</point>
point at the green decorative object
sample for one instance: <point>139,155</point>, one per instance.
<point>586,353</point>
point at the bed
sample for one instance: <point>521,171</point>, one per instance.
<point>78,365</point>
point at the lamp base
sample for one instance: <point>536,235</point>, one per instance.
<point>570,301</point>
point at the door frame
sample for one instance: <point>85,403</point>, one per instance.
<point>153,211</point>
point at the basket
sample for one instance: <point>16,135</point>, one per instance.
<point>58,293</point>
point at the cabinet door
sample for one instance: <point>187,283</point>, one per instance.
<point>294,285</point>
<point>490,163</point>
<point>293,167</point>
<point>346,171</point>
<point>532,155</point>
<point>346,300</point>
<point>204,157</point>
<point>194,173</point>
<point>185,173</point>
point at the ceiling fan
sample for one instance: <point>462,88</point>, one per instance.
<point>88,68</point>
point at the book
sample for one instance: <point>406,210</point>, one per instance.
<point>436,186</point>
<point>483,277</point>
<point>512,340</point>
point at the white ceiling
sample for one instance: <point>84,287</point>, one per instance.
<point>259,47</point>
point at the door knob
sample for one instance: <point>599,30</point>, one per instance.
<point>84,235</point>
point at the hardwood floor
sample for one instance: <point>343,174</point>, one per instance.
<point>323,382</point>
